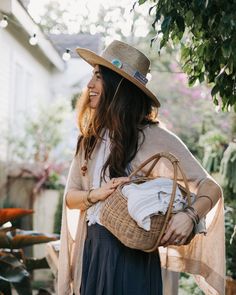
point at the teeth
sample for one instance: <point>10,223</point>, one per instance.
<point>92,93</point>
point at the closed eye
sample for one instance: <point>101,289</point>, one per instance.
<point>97,74</point>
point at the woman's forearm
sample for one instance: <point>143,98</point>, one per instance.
<point>75,199</point>
<point>208,195</point>
<point>78,199</point>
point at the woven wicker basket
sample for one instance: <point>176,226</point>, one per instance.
<point>115,217</point>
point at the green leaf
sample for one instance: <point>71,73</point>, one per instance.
<point>230,66</point>
<point>226,49</point>
<point>192,80</point>
<point>180,23</point>
<point>163,42</point>
<point>187,68</point>
<point>165,26</point>
<point>189,17</point>
<point>214,90</point>
<point>200,50</point>
<point>216,102</point>
<point>157,18</point>
<point>201,77</point>
<point>185,52</point>
<point>140,2</point>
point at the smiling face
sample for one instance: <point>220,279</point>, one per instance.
<point>95,87</point>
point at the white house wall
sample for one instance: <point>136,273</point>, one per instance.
<point>25,80</point>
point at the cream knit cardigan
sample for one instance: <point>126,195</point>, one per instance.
<point>204,256</point>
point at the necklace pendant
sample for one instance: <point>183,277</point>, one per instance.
<point>84,168</point>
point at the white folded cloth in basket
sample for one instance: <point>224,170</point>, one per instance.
<point>151,198</point>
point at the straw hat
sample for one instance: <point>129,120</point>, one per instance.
<point>124,60</point>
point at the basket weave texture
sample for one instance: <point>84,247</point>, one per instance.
<point>115,216</point>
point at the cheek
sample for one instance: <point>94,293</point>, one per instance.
<point>100,87</point>
<point>100,90</point>
<point>95,101</point>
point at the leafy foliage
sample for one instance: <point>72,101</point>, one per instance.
<point>208,48</point>
<point>42,133</point>
<point>53,181</point>
<point>230,227</point>
<point>187,112</point>
<point>228,167</point>
<point>213,143</point>
<point>188,285</point>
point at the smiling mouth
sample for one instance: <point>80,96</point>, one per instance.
<point>91,94</point>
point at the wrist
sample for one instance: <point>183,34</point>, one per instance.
<point>91,197</point>
<point>194,213</point>
<point>86,199</point>
<point>190,218</point>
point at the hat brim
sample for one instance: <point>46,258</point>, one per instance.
<point>93,59</point>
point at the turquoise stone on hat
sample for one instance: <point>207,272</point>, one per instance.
<point>117,63</point>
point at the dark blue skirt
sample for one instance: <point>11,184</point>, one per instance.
<point>110,268</point>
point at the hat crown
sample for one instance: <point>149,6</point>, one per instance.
<point>127,55</point>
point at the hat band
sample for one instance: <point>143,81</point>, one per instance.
<point>126,68</point>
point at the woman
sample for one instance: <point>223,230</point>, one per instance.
<point>119,130</point>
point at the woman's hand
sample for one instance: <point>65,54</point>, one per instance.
<point>178,230</point>
<point>107,189</point>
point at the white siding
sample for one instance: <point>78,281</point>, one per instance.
<point>25,80</point>
<point>5,62</point>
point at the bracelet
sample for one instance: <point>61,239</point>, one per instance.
<point>193,213</point>
<point>86,200</point>
<point>88,197</point>
<point>208,199</point>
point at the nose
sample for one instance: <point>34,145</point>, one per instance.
<point>90,83</point>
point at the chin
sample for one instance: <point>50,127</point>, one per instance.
<point>93,106</point>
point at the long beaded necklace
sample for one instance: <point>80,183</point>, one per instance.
<point>84,167</point>
<point>88,153</point>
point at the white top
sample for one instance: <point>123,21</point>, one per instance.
<point>93,212</point>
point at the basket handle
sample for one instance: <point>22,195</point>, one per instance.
<point>157,156</point>
<point>174,161</point>
<point>176,165</point>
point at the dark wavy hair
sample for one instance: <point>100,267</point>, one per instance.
<point>124,111</point>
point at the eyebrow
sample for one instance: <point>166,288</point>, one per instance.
<point>96,72</point>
